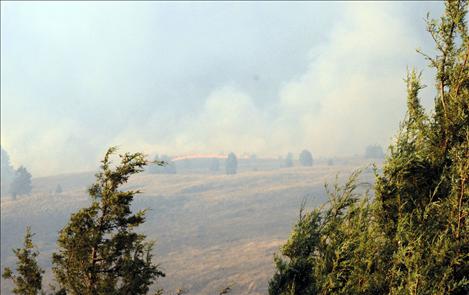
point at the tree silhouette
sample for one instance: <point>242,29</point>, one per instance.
<point>28,277</point>
<point>99,251</point>
<point>21,184</point>
<point>306,159</point>
<point>231,164</point>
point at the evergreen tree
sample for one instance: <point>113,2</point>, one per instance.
<point>28,280</point>
<point>231,164</point>
<point>306,159</point>
<point>99,251</point>
<point>423,195</point>
<point>58,189</point>
<point>332,250</point>
<point>413,237</point>
<point>21,184</point>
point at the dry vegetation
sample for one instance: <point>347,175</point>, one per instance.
<point>211,229</point>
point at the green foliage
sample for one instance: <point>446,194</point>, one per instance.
<point>332,249</point>
<point>28,280</point>
<point>21,184</point>
<point>231,164</point>
<point>98,250</point>
<point>413,237</point>
<point>306,158</point>
<point>422,194</point>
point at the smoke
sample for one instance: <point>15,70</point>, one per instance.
<point>351,95</point>
<point>272,79</point>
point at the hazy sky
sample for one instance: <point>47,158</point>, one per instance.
<point>184,77</point>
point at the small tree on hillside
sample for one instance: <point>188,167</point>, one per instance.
<point>289,160</point>
<point>58,189</point>
<point>99,251</point>
<point>231,165</point>
<point>21,184</point>
<point>306,159</point>
<point>28,277</point>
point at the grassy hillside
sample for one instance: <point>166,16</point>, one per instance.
<point>212,230</point>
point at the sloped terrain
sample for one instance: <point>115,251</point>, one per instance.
<point>212,230</point>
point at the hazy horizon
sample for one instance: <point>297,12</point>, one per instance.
<point>207,77</point>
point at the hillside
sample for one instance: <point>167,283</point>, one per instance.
<point>212,230</point>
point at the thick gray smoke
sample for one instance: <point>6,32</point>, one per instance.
<point>264,78</point>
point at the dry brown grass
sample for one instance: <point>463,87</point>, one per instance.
<point>212,231</point>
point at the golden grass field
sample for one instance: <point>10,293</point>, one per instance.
<point>212,230</point>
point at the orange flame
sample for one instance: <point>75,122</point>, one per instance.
<point>199,156</point>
